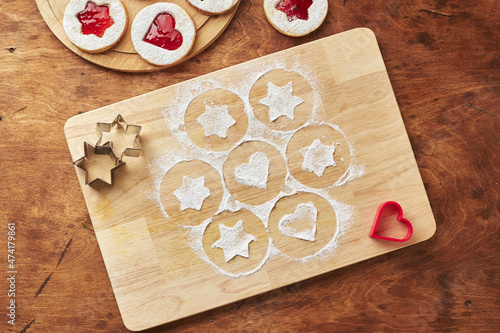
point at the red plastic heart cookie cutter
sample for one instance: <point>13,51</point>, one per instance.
<point>400,218</point>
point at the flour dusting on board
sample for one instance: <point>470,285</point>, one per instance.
<point>281,101</point>
<point>301,224</point>
<point>255,172</point>
<point>234,241</point>
<point>192,193</point>
<point>317,157</point>
<point>195,242</point>
<point>216,120</point>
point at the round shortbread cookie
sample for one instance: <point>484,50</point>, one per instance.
<point>213,7</point>
<point>290,24</point>
<point>91,42</point>
<point>146,24</point>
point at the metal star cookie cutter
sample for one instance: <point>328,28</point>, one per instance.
<point>127,129</point>
<point>89,152</point>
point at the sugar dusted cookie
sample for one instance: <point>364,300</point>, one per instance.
<point>95,25</point>
<point>213,7</point>
<point>163,33</point>
<point>296,17</point>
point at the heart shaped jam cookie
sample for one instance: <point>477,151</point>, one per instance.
<point>94,26</point>
<point>163,33</point>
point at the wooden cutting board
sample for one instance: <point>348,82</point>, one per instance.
<point>165,268</point>
<point>122,56</point>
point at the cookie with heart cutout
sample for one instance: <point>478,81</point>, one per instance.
<point>213,7</point>
<point>163,33</point>
<point>296,18</point>
<point>94,26</point>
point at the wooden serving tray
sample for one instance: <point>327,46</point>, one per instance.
<point>122,56</point>
<point>166,268</point>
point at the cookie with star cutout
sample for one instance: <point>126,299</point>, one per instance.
<point>163,33</point>
<point>296,18</point>
<point>94,26</point>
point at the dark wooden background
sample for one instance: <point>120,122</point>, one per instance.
<point>443,60</point>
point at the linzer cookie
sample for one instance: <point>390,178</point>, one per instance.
<point>163,33</point>
<point>296,17</point>
<point>213,7</point>
<point>95,26</point>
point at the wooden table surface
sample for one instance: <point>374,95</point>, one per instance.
<point>443,60</point>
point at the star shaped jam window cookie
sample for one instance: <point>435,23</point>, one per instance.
<point>295,9</point>
<point>216,120</point>
<point>192,193</point>
<point>234,241</point>
<point>317,157</point>
<point>120,136</point>
<point>98,163</point>
<point>280,101</point>
<point>95,19</point>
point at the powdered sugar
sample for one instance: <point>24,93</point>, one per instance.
<point>183,149</point>
<point>234,241</point>
<point>255,172</point>
<point>92,43</point>
<point>154,54</point>
<point>356,170</point>
<point>281,101</point>
<point>317,157</point>
<point>344,214</point>
<point>195,242</point>
<point>192,193</point>
<point>301,224</point>
<point>216,120</point>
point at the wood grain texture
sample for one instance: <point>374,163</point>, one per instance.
<point>442,59</point>
<point>348,74</point>
<point>122,56</point>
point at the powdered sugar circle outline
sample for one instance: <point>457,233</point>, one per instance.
<point>202,97</point>
<point>255,99</point>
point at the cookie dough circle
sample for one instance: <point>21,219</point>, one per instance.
<point>326,225</point>
<point>155,54</point>
<point>91,43</point>
<point>173,181</point>
<point>257,250</point>
<point>297,27</point>
<point>213,7</point>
